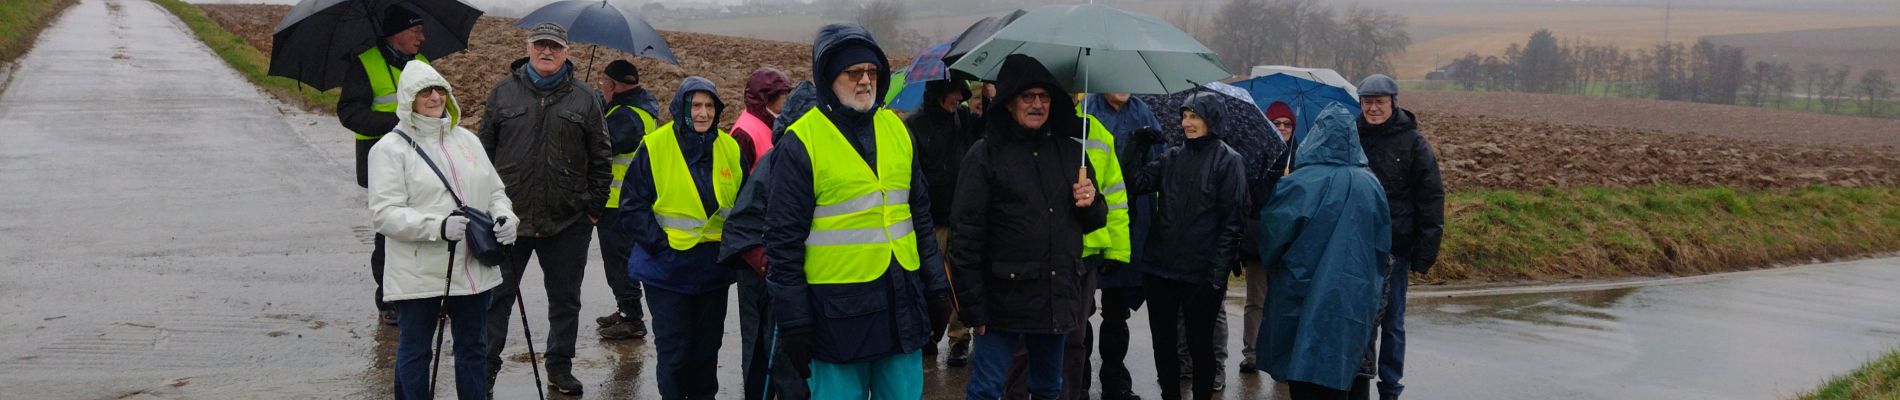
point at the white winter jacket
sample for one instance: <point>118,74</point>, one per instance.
<point>408,202</point>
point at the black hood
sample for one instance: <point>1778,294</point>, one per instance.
<point>1019,74</point>
<point>1209,108</point>
<point>833,38</point>
<point>1402,121</point>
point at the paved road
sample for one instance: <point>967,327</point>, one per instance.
<point>170,232</point>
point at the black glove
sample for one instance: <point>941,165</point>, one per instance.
<point>796,345</point>
<point>1148,135</point>
<point>940,304</point>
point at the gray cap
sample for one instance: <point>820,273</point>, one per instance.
<point>548,31</point>
<point>1378,85</point>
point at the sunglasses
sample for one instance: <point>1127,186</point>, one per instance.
<point>853,75</point>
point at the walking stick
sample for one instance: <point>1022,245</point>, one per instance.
<point>523,307</point>
<point>441,321</point>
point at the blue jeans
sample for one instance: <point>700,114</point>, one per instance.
<point>688,329</point>
<point>990,358</point>
<point>415,337</point>
<point>1392,331</point>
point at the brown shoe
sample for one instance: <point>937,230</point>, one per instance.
<point>609,320</point>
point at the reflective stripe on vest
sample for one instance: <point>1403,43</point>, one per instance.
<point>863,217</point>
<point>677,206</point>
<point>382,83</point>
<point>623,160</point>
<point>1112,241</point>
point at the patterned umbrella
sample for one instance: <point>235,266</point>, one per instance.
<point>1244,128</point>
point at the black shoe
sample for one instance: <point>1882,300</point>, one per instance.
<point>609,320</point>
<point>1248,368</point>
<point>1219,386</point>
<point>930,350</point>
<point>387,317</point>
<point>564,383</point>
<point>626,329</point>
<point>1123,395</point>
<point>959,355</point>
<point>1389,397</point>
<point>491,381</point>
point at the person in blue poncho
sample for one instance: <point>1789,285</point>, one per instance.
<point>1326,237</point>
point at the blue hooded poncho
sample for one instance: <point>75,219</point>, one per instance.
<point>1326,237</point>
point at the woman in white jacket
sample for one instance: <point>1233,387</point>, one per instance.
<point>411,206</point>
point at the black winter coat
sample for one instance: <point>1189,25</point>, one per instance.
<point>942,139</point>
<point>1196,236</point>
<point>1017,243</point>
<point>551,149</point>
<point>1408,169</point>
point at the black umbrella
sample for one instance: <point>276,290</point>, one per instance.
<point>316,40</point>
<point>603,24</point>
<point>975,35</point>
<point>1243,128</point>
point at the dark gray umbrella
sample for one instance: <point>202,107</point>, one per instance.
<point>975,35</point>
<point>317,39</point>
<point>599,23</point>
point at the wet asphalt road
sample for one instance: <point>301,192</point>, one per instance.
<point>170,232</point>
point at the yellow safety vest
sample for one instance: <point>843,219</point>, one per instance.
<point>863,217</point>
<point>623,160</point>
<point>1111,241</point>
<point>382,83</point>
<point>676,206</point>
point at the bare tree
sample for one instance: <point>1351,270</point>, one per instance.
<point>1875,90</point>
<point>1834,89</point>
<point>884,18</point>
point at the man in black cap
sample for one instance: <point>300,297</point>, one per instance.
<point>368,107</point>
<point>630,111</point>
<point>545,134</point>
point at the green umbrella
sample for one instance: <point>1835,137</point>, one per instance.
<point>1100,49</point>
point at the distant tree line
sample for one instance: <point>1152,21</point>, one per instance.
<point>1704,72</point>
<point>1356,41</point>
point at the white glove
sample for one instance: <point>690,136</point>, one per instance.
<point>454,228</point>
<point>505,230</point>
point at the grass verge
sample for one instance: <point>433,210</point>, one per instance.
<point>21,22</point>
<point>1879,379</point>
<point>1586,233</point>
<point>248,61</point>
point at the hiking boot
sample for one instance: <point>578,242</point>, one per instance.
<point>565,383</point>
<point>387,317</point>
<point>1122,395</point>
<point>492,372</point>
<point>609,320</point>
<point>626,329</point>
<point>959,354</point>
<point>1219,386</point>
<point>1246,367</point>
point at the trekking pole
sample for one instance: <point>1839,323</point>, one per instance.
<point>441,321</point>
<point>532,364</point>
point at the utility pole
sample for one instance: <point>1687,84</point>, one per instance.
<point>1667,5</point>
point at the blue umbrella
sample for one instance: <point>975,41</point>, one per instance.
<point>1306,97</point>
<point>904,95</point>
<point>603,24</point>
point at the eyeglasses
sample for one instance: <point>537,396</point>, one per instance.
<point>854,75</point>
<point>1282,122</point>
<point>549,46</point>
<point>1033,97</point>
